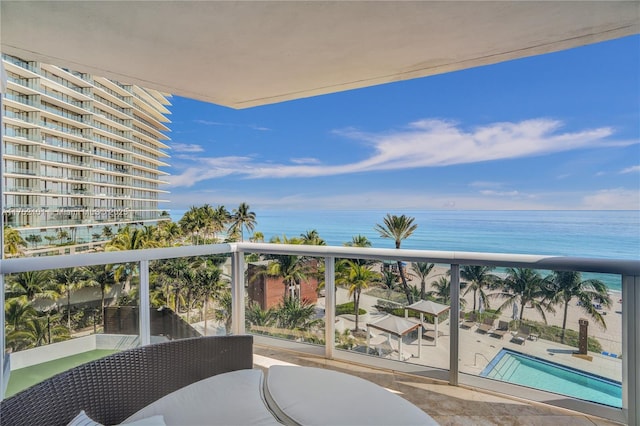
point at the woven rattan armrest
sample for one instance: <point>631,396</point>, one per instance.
<point>113,388</point>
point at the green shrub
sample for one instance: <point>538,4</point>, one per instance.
<point>553,333</point>
<point>348,308</point>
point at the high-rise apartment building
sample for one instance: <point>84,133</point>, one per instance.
<point>80,151</point>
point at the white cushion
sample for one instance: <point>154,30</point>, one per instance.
<point>147,421</point>
<point>233,398</point>
<point>302,395</point>
<point>83,420</point>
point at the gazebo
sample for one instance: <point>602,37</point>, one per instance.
<point>397,326</point>
<point>428,307</point>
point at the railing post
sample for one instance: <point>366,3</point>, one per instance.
<point>2,337</point>
<point>237,293</point>
<point>631,348</point>
<point>454,314</point>
<point>145,317</point>
<point>329,306</point>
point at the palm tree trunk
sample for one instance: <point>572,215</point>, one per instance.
<point>102,302</point>
<point>564,320</point>
<point>206,304</point>
<point>356,304</point>
<point>474,300</point>
<point>422,289</point>
<point>405,287</point>
<point>69,309</point>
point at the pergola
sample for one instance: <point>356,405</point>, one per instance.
<point>428,307</point>
<point>397,326</point>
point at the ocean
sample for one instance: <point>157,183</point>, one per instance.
<point>596,234</point>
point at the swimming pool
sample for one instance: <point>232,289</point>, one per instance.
<point>514,367</point>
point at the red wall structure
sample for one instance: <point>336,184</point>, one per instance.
<point>268,291</point>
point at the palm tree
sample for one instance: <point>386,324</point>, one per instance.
<point>210,285</point>
<point>358,279</point>
<point>37,332</point>
<point>526,286</point>
<point>14,244</point>
<point>442,292</point>
<point>192,222</point>
<point>169,231</point>
<point>255,315</point>
<point>360,241</point>
<point>221,217</point>
<point>34,239</point>
<point>569,284</point>
<point>223,312</point>
<point>398,228</point>
<point>479,279</point>
<point>62,235</point>
<point>32,284</point>
<point>293,314</point>
<point>69,279</point>
<point>389,281</point>
<point>312,238</point>
<point>102,276</point>
<point>242,218</point>
<point>107,232</point>
<point>290,268</point>
<point>172,274</point>
<point>129,238</point>
<point>257,237</point>
<point>17,312</point>
<point>422,270</point>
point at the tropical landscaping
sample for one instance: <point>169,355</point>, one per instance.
<point>42,307</point>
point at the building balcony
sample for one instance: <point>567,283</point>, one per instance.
<point>446,372</point>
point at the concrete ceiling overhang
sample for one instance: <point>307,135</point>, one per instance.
<point>244,53</point>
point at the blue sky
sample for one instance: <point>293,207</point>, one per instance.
<point>557,131</point>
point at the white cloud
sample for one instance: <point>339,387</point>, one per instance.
<point>186,147</point>
<point>485,184</point>
<point>425,143</point>
<point>632,169</point>
<point>612,199</point>
<point>500,193</point>
<point>305,160</point>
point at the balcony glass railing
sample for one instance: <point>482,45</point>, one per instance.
<point>484,342</point>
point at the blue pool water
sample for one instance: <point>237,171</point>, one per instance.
<point>514,367</point>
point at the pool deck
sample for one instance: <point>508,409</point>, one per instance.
<point>448,405</point>
<point>478,349</point>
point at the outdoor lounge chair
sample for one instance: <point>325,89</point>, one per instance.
<point>503,328</point>
<point>486,325</point>
<point>469,322</point>
<point>114,387</point>
<point>522,335</point>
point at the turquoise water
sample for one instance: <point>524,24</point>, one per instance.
<point>596,234</point>
<point>520,369</point>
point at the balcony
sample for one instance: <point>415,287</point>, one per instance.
<point>458,358</point>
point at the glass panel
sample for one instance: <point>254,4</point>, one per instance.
<point>393,321</point>
<point>190,296</point>
<point>556,331</point>
<point>284,297</point>
<point>45,310</point>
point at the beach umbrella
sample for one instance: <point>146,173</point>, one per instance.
<point>514,315</point>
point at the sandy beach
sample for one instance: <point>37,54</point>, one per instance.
<point>610,338</point>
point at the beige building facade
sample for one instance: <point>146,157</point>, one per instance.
<point>80,152</point>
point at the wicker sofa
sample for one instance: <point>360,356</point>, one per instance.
<point>113,388</point>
